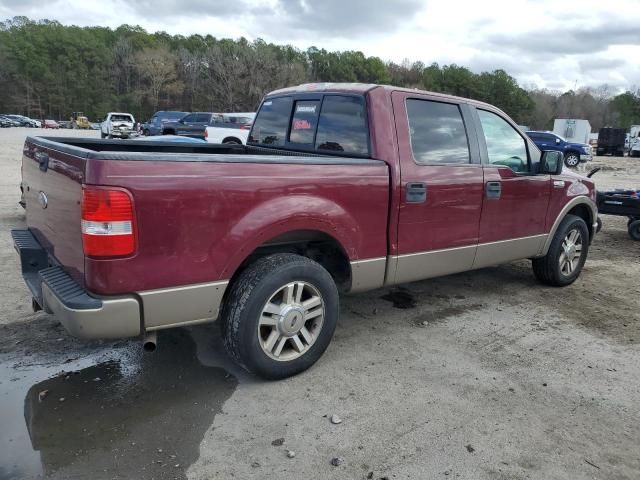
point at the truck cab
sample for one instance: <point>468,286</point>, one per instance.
<point>574,153</point>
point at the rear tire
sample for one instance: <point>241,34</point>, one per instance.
<point>634,230</point>
<point>567,253</point>
<point>232,141</point>
<point>275,299</point>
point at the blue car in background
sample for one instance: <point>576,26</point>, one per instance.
<point>574,153</point>
<point>156,122</point>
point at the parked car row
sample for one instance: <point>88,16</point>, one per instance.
<point>231,128</point>
<point>18,121</point>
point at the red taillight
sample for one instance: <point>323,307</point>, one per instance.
<point>206,134</point>
<point>108,223</point>
<point>244,126</point>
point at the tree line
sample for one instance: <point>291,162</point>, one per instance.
<point>48,70</point>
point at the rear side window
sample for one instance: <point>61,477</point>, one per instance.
<point>270,127</point>
<point>303,123</point>
<point>437,132</point>
<point>342,126</point>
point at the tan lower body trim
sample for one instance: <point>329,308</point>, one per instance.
<point>187,305</point>
<point>436,263</point>
<point>418,266</point>
<point>368,274</point>
<point>495,253</point>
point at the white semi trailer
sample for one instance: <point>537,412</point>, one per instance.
<point>573,130</point>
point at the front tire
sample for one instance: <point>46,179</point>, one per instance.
<point>572,160</point>
<point>567,253</point>
<point>280,315</point>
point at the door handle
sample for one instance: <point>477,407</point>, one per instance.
<point>43,159</point>
<point>493,190</point>
<point>416,192</point>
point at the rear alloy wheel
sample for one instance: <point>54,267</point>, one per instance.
<point>279,315</point>
<point>572,160</point>
<point>291,321</point>
<point>566,255</point>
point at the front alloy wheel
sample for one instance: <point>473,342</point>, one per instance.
<point>572,160</point>
<point>572,251</point>
<point>566,255</point>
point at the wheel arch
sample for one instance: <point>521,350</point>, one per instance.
<point>304,224</point>
<point>314,244</point>
<point>231,137</point>
<point>580,206</point>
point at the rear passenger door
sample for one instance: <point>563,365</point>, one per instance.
<point>442,186</point>
<point>515,197</point>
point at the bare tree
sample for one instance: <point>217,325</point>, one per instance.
<point>158,68</point>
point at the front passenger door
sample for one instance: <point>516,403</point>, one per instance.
<point>515,199</point>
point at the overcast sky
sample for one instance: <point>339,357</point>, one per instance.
<point>548,43</point>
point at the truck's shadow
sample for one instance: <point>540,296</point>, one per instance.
<point>143,417</point>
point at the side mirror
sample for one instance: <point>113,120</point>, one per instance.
<point>551,162</point>
<point>557,141</point>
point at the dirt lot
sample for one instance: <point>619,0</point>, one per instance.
<point>486,375</point>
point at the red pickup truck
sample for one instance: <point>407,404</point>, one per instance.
<point>341,188</point>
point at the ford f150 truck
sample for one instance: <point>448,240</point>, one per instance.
<point>341,188</point>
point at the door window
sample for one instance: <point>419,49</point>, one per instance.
<point>505,146</point>
<point>437,132</point>
<point>189,118</point>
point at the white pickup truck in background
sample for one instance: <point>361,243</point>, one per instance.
<point>118,125</point>
<point>634,141</point>
<point>229,128</point>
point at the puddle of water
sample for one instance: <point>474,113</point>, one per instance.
<point>116,413</point>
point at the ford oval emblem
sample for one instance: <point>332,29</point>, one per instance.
<point>43,200</point>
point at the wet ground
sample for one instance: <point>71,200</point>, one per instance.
<point>482,375</point>
<point>114,410</point>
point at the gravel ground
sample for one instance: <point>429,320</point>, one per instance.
<point>487,375</point>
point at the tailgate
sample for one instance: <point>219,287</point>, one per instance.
<point>52,183</point>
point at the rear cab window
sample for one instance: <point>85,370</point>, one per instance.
<point>323,123</point>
